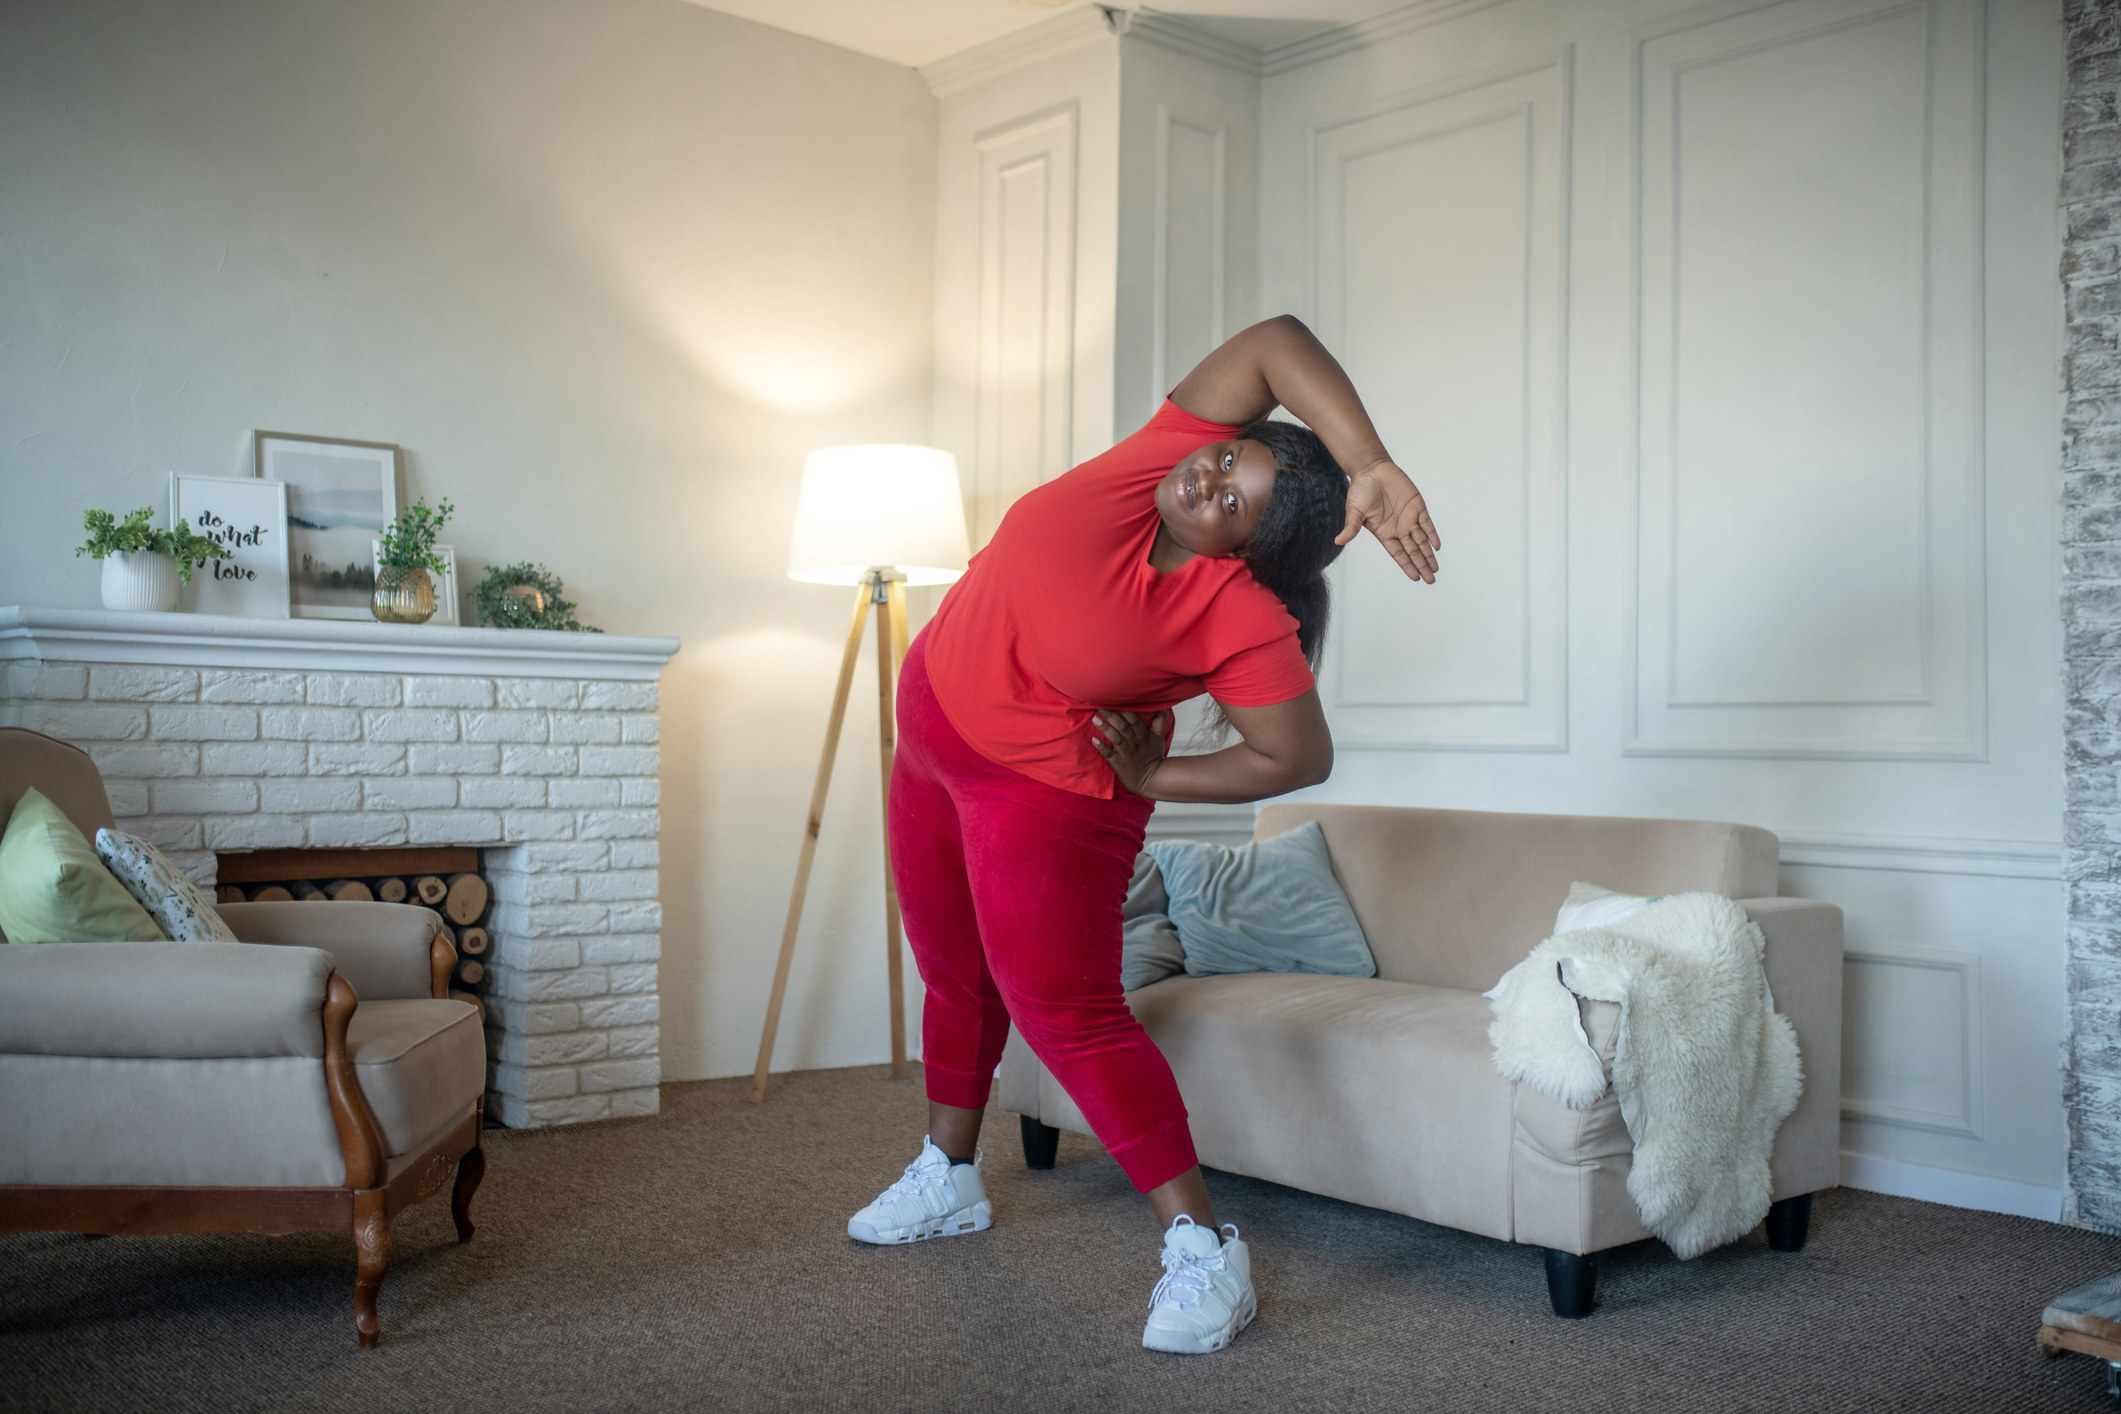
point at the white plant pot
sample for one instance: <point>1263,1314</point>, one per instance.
<point>139,581</point>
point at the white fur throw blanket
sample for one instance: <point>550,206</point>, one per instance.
<point>1704,1068</point>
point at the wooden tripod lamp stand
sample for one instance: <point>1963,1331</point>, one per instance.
<point>878,518</point>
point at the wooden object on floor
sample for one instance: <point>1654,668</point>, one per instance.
<point>2086,1320</point>
<point>310,893</point>
<point>391,890</point>
<point>349,891</point>
<point>474,998</point>
<point>471,972</point>
<point>229,893</point>
<point>889,596</point>
<point>429,890</point>
<point>271,893</point>
<point>465,899</point>
<point>363,1206</point>
<point>473,942</point>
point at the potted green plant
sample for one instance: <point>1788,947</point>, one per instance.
<point>405,563</point>
<point>142,566</point>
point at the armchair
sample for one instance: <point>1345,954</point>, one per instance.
<point>312,1076</point>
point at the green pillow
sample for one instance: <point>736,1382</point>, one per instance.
<point>53,889</point>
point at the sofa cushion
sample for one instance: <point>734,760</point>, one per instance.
<point>1383,1093</point>
<point>1270,906</point>
<point>1454,898</point>
<point>421,1063</point>
<point>53,889</point>
<point>173,901</point>
<point>1149,947</point>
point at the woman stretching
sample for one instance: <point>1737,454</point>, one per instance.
<point>1033,720</point>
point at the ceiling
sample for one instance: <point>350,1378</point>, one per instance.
<point>917,32</point>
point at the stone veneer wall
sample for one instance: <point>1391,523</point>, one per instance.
<point>556,777</point>
<point>2091,602</point>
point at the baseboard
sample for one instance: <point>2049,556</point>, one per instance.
<point>1948,1186</point>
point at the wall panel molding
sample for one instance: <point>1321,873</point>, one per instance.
<point>1026,361</point>
<point>1911,854</point>
<point>1808,575</point>
<point>1439,256</point>
<point>1911,1038</point>
<point>1192,159</point>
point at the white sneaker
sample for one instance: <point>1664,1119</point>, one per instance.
<point>933,1199</point>
<point>1205,1297</point>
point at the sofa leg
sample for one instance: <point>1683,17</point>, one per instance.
<point>1572,1282</point>
<point>470,1169</point>
<point>1787,1223</point>
<point>1041,1143</point>
<point>371,1233</point>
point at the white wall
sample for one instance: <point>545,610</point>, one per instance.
<point>605,271</point>
<point>1722,341</point>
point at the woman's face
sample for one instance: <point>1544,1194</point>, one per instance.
<point>1212,500</point>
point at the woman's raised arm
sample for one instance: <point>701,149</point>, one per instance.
<point>1280,363</point>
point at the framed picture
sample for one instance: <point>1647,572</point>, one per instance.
<point>445,582</point>
<point>248,518</point>
<point>341,495</point>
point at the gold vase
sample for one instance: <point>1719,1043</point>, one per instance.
<point>405,594</point>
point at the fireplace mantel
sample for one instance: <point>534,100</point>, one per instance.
<point>326,645</point>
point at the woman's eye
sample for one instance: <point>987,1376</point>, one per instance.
<point>1229,460</point>
<point>1231,502</point>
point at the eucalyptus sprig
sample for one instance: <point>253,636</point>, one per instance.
<point>410,542</point>
<point>107,535</point>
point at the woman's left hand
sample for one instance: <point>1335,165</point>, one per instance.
<point>1385,499</point>
<point>1133,746</point>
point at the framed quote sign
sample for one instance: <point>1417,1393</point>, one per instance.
<point>247,518</point>
<point>341,495</point>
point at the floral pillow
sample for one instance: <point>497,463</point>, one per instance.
<point>172,900</point>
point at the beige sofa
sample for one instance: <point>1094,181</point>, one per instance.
<point>324,1081</point>
<point>1383,1091</point>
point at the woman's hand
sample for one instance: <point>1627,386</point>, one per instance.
<point>1132,747</point>
<point>1385,499</point>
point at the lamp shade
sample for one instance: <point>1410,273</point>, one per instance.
<point>881,506</point>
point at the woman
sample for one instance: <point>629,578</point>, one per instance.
<point>1033,718</point>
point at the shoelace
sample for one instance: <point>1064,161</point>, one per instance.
<point>1185,1278</point>
<point>913,1180</point>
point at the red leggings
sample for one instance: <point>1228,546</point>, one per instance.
<point>1012,891</point>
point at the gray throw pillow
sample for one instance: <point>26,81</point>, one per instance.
<point>1149,946</point>
<point>1271,906</point>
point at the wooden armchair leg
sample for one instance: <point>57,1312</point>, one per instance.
<point>371,1233</point>
<point>470,1169</point>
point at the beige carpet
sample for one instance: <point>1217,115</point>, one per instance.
<point>698,1260</point>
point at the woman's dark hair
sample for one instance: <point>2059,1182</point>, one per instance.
<point>1293,544</point>
<point>1289,551</point>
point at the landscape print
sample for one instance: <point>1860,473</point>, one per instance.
<point>339,499</point>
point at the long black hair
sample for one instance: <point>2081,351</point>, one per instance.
<point>1293,544</point>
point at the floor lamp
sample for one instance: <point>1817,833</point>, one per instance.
<point>878,518</point>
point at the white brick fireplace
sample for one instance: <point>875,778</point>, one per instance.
<point>220,735</point>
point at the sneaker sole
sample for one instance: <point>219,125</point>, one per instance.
<point>1177,1345</point>
<point>977,1218</point>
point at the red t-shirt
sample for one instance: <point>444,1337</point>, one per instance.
<point>1062,614</point>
